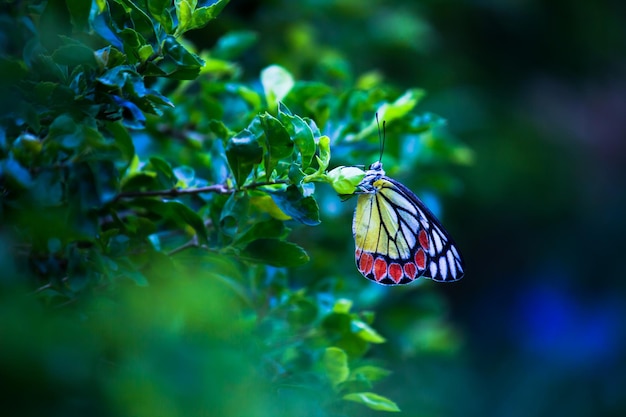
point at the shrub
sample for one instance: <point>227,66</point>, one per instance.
<point>148,195</point>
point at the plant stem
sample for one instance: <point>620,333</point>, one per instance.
<point>216,188</point>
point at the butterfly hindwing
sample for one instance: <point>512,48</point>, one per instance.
<point>398,239</point>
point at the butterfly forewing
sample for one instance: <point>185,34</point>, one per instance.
<point>398,239</point>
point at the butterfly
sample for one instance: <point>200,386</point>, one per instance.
<point>398,239</point>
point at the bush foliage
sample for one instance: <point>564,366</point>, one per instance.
<point>148,194</point>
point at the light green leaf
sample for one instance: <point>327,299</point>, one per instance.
<point>277,82</point>
<point>184,13</point>
<point>369,372</point>
<point>335,362</point>
<point>300,132</point>
<point>403,105</point>
<point>202,15</point>
<point>324,152</point>
<point>342,306</point>
<point>373,401</point>
<point>365,332</point>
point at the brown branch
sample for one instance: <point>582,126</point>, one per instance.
<point>216,188</point>
<point>193,243</point>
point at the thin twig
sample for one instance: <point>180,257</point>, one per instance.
<point>193,243</point>
<point>216,188</point>
<point>42,288</point>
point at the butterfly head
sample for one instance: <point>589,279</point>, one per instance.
<point>374,173</point>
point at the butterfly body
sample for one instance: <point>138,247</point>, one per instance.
<point>397,238</point>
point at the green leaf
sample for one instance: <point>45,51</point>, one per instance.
<point>294,204</point>
<point>234,213</point>
<point>243,152</point>
<point>190,217</point>
<point>79,12</point>
<point>165,174</point>
<point>324,153</point>
<point>403,105</point>
<point>122,140</point>
<point>176,212</point>
<point>302,310</point>
<point>278,144</point>
<point>342,306</point>
<point>185,175</point>
<point>365,332</point>
<point>159,10</point>
<point>202,15</point>
<point>178,62</point>
<point>145,52</point>
<point>184,12</point>
<point>133,41</point>
<point>74,54</point>
<point>275,252</point>
<point>109,57</point>
<point>271,228</point>
<point>277,82</point>
<point>300,132</point>
<point>335,362</point>
<point>233,44</point>
<point>373,401</point>
<point>370,373</point>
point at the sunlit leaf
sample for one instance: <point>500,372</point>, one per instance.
<point>267,204</point>
<point>202,15</point>
<point>335,362</point>
<point>401,106</point>
<point>370,372</point>
<point>373,401</point>
<point>300,133</point>
<point>277,82</point>
<point>366,332</point>
<point>342,306</point>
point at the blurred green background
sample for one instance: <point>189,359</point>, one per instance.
<point>536,89</point>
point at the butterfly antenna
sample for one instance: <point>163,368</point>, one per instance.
<point>381,138</point>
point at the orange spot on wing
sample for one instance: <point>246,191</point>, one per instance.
<point>380,269</point>
<point>395,272</point>
<point>423,238</point>
<point>420,259</point>
<point>366,262</point>
<point>410,270</point>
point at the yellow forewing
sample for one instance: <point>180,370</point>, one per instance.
<point>377,226</point>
